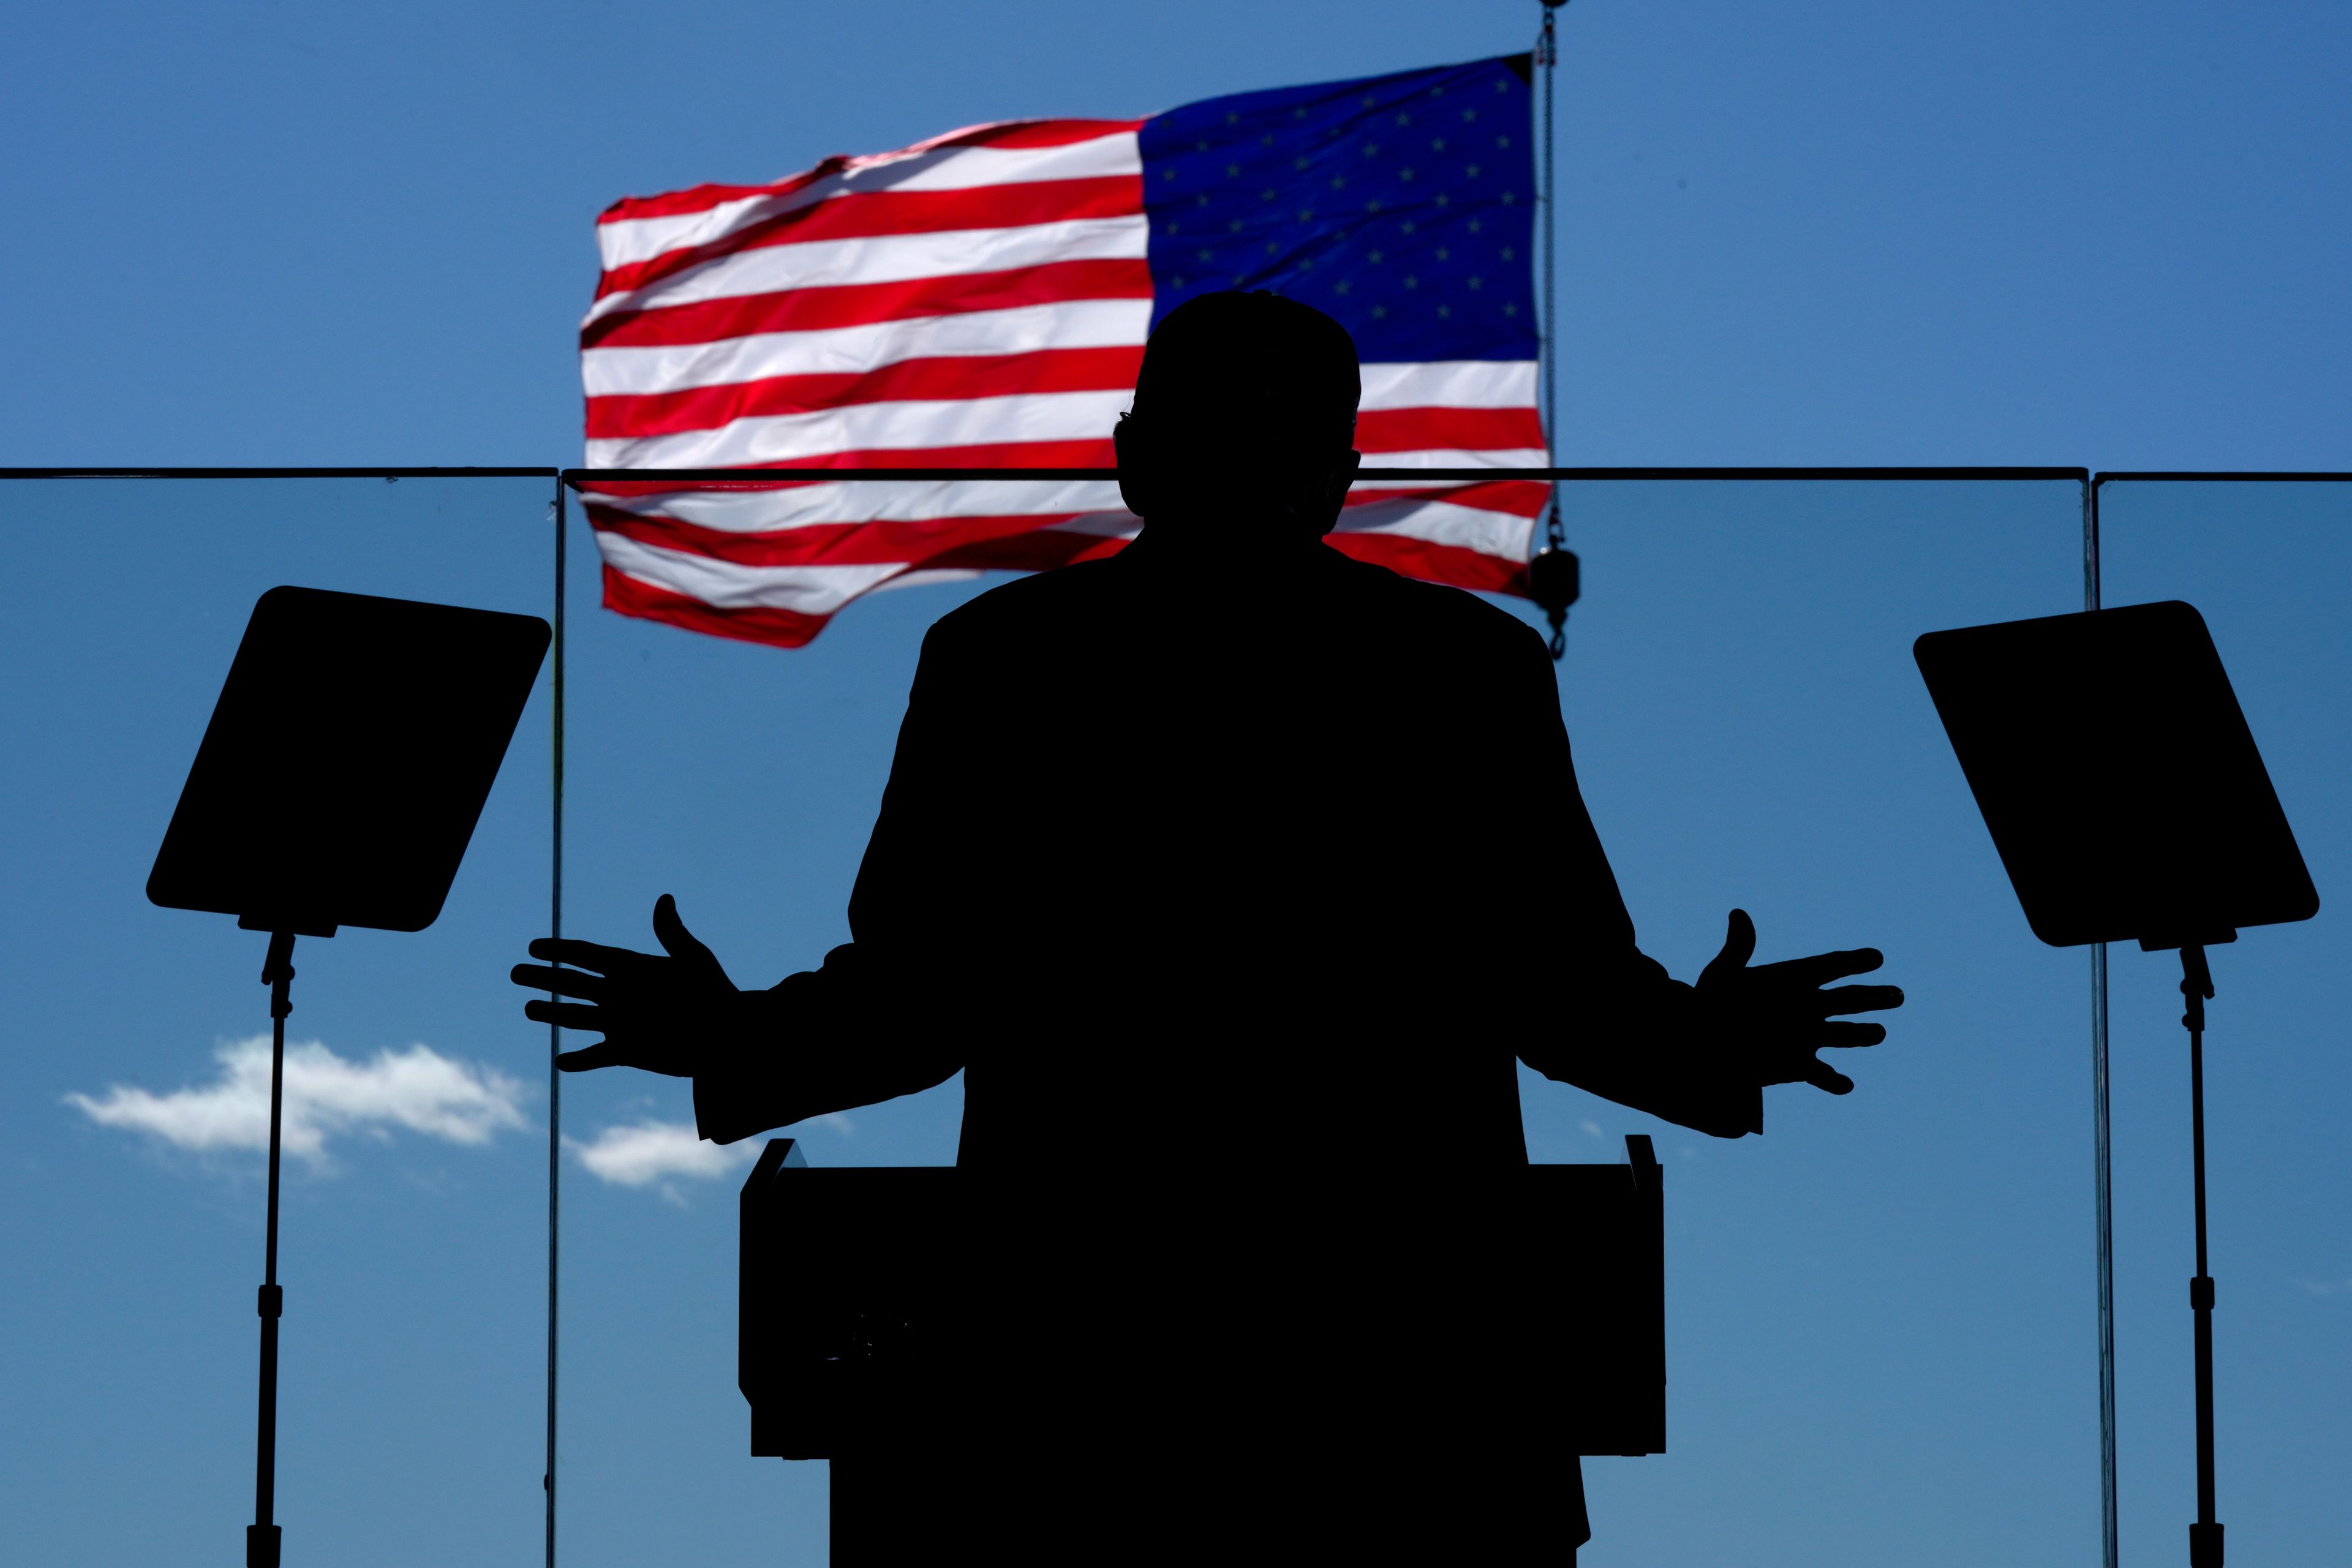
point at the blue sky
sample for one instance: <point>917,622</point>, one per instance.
<point>1828,233</point>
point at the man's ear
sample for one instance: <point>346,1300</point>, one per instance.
<point>1335,497</point>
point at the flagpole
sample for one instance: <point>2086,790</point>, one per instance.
<point>1547,56</point>
<point>1553,575</point>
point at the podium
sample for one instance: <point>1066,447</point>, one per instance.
<point>874,1315</point>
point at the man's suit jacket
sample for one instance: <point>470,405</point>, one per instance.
<point>1249,853</point>
<point>1234,883</point>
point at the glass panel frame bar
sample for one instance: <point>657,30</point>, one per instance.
<point>556,512</point>
<point>566,480</point>
<point>2092,588</point>
<point>1558,476</point>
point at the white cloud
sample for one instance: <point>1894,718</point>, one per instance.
<point>2327,1287</point>
<point>648,1154</point>
<point>1592,1128</point>
<point>418,1089</point>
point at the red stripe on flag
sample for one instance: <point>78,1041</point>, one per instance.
<point>1011,134</point>
<point>1039,550</point>
<point>860,215</point>
<point>702,198</point>
<point>1010,456</point>
<point>1019,133</point>
<point>587,488</point>
<point>922,541</point>
<point>620,417</point>
<point>1019,543</point>
<point>759,624</point>
<point>1448,429</point>
<point>860,304</point>
<point>1518,498</point>
<point>1432,563</point>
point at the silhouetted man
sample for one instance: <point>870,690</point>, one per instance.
<point>1231,871</point>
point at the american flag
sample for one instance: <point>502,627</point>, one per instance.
<point>982,300</point>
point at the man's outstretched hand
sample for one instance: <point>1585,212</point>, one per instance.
<point>661,1014</point>
<point>1772,1017</point>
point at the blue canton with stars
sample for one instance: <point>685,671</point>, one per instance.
<point>1402,206</point>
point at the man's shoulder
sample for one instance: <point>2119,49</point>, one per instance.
<point>1027,604</point>
<point>1409,615</point>
<point>1421,612</point>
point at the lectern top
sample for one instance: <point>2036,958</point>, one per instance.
<point>2119,778</point>
<point>347,761</point>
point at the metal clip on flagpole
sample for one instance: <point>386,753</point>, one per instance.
<point>406,709</point>
<point>2074,798</point>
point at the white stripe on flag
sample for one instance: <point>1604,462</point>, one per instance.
<point>1494,533</point>
<point>1503,457</point>
<point>624,241</point>
<point>810,590</point>
<point>765,511</point>
<point>1117,523</point>
<point>1451,384</point>
<point>867,426</point>
<point>853,351</point>
<point>887,258</point>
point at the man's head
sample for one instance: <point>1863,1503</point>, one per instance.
<point>1245,412</point>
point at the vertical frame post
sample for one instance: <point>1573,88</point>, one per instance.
<point>2102,1175</point>
<point>554,1031</point>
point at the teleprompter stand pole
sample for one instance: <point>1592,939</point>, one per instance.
<point>2205,1535</point>
<point>2169,758</point>
<point>401,712</point>
<point>261,1536</point>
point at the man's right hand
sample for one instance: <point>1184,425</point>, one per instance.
<point>662,1014</point>
<point>1770,1018</point>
